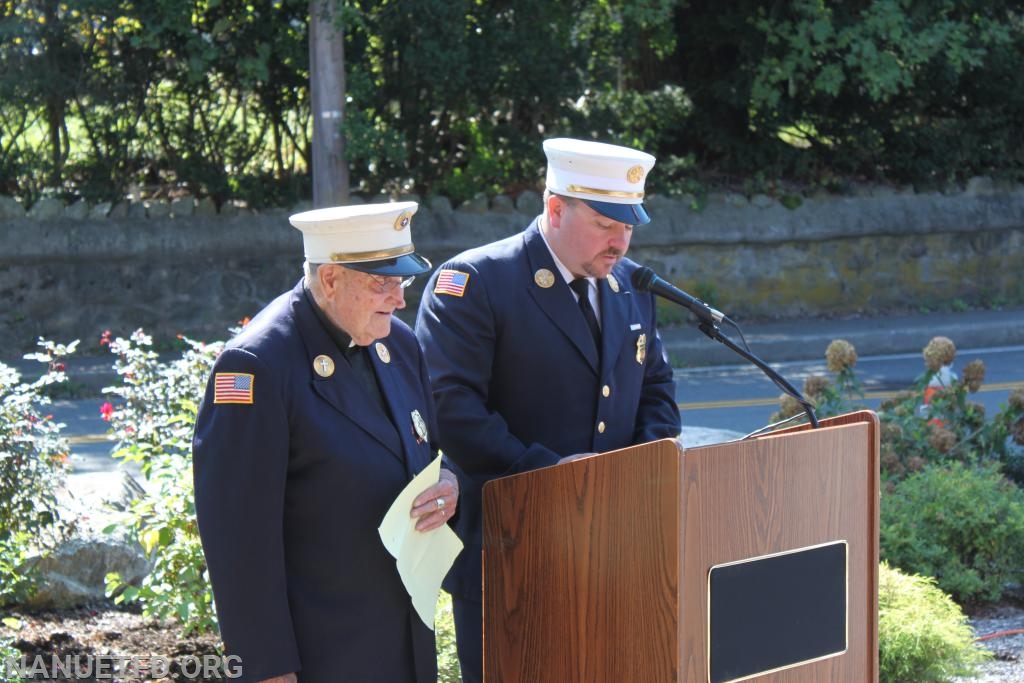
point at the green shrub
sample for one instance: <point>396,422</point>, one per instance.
<point>153,421</point>
<point>1008,431</point>
<point>448,670</point>
<point>8,653</point>
<point>923,637</point>
<point>962,525</point>
<point>934,422</point>
<point>32,468</point>
<point>931,422</point>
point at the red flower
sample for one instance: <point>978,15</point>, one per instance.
<point>106,410</point>
<point>59,367</point>
<point>105,338</point>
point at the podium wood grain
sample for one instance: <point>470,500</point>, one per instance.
<point>597,570</point>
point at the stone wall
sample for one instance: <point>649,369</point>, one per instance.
<point>70,272</point>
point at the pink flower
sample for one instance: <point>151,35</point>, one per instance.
<point>106,410</point>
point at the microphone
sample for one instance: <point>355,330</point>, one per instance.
<point>645,280</point>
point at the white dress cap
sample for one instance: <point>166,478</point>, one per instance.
<point>369,237</point>
<point>607,177</point>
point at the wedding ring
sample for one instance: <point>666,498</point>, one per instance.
<point>440,503</point>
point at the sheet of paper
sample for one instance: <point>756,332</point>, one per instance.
<point>423,557</point>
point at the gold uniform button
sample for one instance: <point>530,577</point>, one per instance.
<point>606,391</point>
<point>600,427</point>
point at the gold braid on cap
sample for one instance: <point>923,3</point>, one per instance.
<point>359,256</point>
<point>606,193</point>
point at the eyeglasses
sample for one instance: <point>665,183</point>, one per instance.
<point>386,285</point>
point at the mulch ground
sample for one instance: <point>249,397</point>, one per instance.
<point>1001,630</point>
<point>99,633</point>
<point>99,642</point>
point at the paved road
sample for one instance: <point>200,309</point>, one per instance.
<point>742,398</point>
<point>717,389</point>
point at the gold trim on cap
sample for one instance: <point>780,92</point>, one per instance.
<point>357,256</point>
<point>606,193</point>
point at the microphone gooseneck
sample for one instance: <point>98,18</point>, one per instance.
<point>645,280</point>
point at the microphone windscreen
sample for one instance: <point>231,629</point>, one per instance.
<point>642,278</point>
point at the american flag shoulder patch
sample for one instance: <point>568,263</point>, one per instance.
<point>233,387</point>
<point>451,282</point>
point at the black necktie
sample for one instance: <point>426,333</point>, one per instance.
<point>582,288</point>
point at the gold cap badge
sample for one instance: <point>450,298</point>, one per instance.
<point>323,365</point>
<point>382,352</point>
<point>635,174</point>
<point>544,278</point>
<point>403,220</point>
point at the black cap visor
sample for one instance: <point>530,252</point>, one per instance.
<point>630,214</point>
<point>403,266</point>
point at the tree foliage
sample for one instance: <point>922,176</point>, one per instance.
<point>103,98</point>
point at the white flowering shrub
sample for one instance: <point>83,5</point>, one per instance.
<point>33,461</point>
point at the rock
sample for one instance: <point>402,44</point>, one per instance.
<point>980,186</point>
<point>119,210</point>
<point>762,201</point>
<point>440,205</point>
<point>690,201</point>
<point>101,210</point>
<point>10,208</point>
<point>861,190</point>
<point>476,205</point>
<point>733,199</point>
<point>530,203</point>
<point>205,207</point>
<point>183,206</point>
<point>47,208</point>
<point>158,208</point>
<point>502,204</point>
<point>136,210</point>
<point>75,573</point>
<point>77,211</point>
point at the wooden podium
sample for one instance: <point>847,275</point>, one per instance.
<point>654,563</point>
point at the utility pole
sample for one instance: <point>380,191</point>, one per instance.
<point>327,102</point>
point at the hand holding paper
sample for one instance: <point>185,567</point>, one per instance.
<point>423,557</point>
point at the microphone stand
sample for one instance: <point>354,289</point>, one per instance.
<point>711,330</point>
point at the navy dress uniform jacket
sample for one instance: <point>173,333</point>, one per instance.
<point>518,380</point>
<point>290,491</point>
